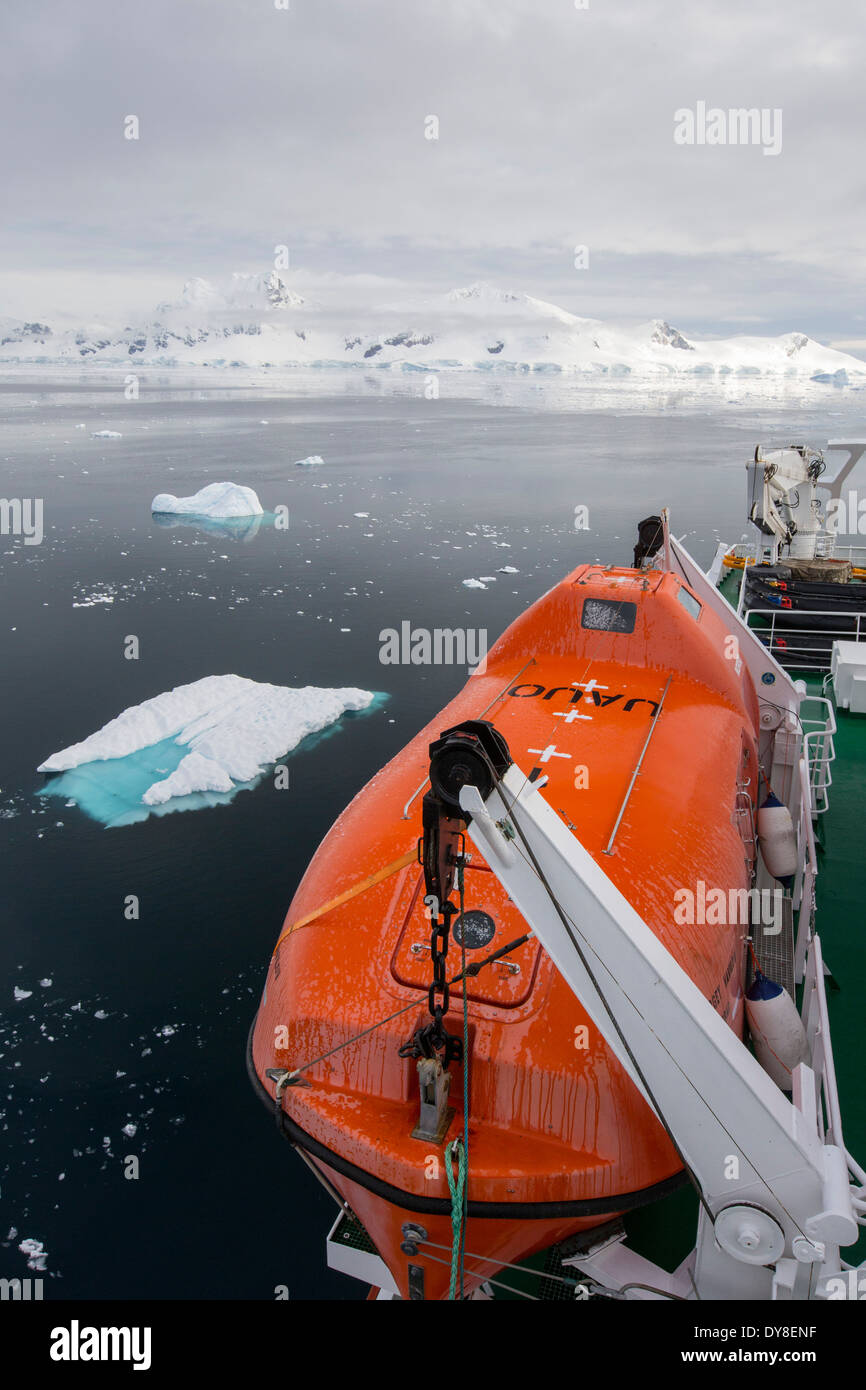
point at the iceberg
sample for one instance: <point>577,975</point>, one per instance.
<point>215,500</point>
<point>106,434</point>
<point>838,378</point>
<point>196,745</point>
<point>312,462</point>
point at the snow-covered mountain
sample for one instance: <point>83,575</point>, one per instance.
<point>258,320</point>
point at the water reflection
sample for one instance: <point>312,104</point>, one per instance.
<point>233,528</point>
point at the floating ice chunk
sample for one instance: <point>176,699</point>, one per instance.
<point>508,569</point>
<point>473,584</point>
<point>35,1252</point>
<point>217,500</point>
<point>211,736</point>
<point>106,434</point>
<point>488,579</point>
<point>193,774</point>
<point>20,994</point>
<point>104,594</point>
<point>130,1131</point>
<point>312,462</point>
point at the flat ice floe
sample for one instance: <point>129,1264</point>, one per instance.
<point>216,500</point>
<point>204,741</point>
<point>312,462</point>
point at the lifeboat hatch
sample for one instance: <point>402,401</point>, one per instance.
<point>506,983</point>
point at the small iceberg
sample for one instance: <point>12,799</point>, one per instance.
<point>474,584</point>
<point>219,500</point>
<point>105,434</point>
<point>194,746</point>
<point>838,378</point>
<point>312,462</point>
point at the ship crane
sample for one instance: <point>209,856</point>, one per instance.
<point>783,501</point>
<point>779,1194</point>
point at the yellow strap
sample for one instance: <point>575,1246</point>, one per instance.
<point>410,857</point>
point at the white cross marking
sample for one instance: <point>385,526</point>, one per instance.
<point>591,685</point>
<point>549,752</point>
<point>570,715</point>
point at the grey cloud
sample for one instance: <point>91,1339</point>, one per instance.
<point>261,126</point>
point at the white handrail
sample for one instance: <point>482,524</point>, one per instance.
<point>820,752</point>
<point>809,865</point>
<point>769,634</point>
<point>816,1021</point>
<point>856,554</point>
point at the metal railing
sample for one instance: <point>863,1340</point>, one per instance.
<point>802,647</point>
<point>817,1025</point>
<point>819,750</point>
<point>826,548</point>
<point>819,1102</point>
<point>803,895</point>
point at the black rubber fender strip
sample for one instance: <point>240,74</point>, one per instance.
<point>441,1206</point>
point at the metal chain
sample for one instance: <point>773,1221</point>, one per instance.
<point>439,995</point>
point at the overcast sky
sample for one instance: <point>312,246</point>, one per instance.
<point>261,126</point>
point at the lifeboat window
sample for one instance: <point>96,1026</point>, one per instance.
<point>689,602</point>
<point>608,615</point>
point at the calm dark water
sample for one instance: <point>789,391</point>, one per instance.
<point>144,1022</point>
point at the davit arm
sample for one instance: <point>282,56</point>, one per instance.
<point>776,1203</point>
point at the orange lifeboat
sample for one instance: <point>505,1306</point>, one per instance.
<point>559,1138</point>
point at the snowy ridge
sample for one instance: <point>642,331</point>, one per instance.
<point>258,320</point>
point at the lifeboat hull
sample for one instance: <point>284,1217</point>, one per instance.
<point>559,1139</point>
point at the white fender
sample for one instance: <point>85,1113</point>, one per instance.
<point>777,838</point>
<point>777,1030</point>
